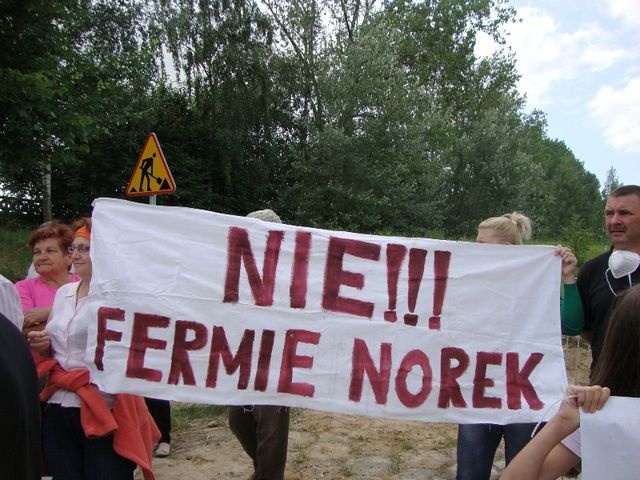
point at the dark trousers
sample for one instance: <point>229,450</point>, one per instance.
<point>477,445</point>
<point>263,432</point>
<point>70,455</point>
<point>160,410</point>
<point>20,430</point>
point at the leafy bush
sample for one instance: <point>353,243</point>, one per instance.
<point>583,242</point>
<point>15,256</point>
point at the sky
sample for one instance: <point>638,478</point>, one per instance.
<point>579,62</point>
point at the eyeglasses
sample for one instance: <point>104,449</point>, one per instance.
<point>81,249</point>
<point>617,283</point>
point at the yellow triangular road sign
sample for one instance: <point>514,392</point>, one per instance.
<point>151,175</point>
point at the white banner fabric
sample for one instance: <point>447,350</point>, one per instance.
<point>610,439</point>
<point>201,307</point>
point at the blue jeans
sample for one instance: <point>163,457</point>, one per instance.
<point>70,455</point>
<point>477,445</point>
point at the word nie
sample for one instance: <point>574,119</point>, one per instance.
<point>239,252</point>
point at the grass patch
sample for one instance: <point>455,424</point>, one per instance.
<point>448,441</point>
<point>346,471</point>
<point>184,414</point>
<point>396,463</point>
<point>406,444</point>
<point>355,450</point>
<point>300,458</point>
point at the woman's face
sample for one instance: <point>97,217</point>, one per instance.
<point>80,257</point>
<point>487,235</point>
<point>49,259</point>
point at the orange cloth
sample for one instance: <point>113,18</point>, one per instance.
<point>134,431</point>
<point>83,232</point>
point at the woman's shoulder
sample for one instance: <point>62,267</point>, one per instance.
<point>28,284</point>
<point>68,288</point>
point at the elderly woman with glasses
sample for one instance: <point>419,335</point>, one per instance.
<point>86,433</point>
<point>49,246</point>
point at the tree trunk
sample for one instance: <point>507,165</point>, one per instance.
<point>46,189</point>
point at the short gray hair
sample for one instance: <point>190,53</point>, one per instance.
<point>265,215</point>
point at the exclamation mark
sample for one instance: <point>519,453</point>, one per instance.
<point>395,256</point>
<point>441,275</point>
<point>417,259</point>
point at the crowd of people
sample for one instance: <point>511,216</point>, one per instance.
<point>60,423</point>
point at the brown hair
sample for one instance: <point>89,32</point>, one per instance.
<point>82,222</point>
<point>619,364</point>
<point>625,190</point>
<point>54,229</point>
<point>512,228</point>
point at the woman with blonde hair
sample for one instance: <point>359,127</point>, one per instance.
<point>509,229</point>
<point>477,443</point>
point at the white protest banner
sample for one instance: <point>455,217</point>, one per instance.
<point>610,439</point>
<point>201,307</point>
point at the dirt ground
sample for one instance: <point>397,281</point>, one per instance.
<point>333,446</point>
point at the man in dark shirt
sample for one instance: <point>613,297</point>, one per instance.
<point>19,407</point>
<point>597,286</point>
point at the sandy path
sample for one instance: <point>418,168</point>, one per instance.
<point>332,446</point>
<point>321,446</point>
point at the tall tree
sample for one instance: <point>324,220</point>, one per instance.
<point>88,83</point>
<point>611,182</point>
<point>222,50</point>
<point>31,122</point>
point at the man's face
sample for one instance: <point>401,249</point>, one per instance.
<point>622,220</point>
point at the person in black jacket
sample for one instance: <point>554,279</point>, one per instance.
<point>599,281</point>
<point>20,446</point>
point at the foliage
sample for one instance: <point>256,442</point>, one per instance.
<point>611,182</point>
<point>15,255</point>
<point>353,115</point>
<point>579,239</point>
<point>82,90</point>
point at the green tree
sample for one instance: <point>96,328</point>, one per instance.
<point>223,51</point>
<point>610,183</point>
<point>32,90</point>
<point>344,114</point>
<point>87,83</point>
<point>561,190</point>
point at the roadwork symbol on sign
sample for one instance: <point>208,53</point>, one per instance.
<point>151,175</point>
